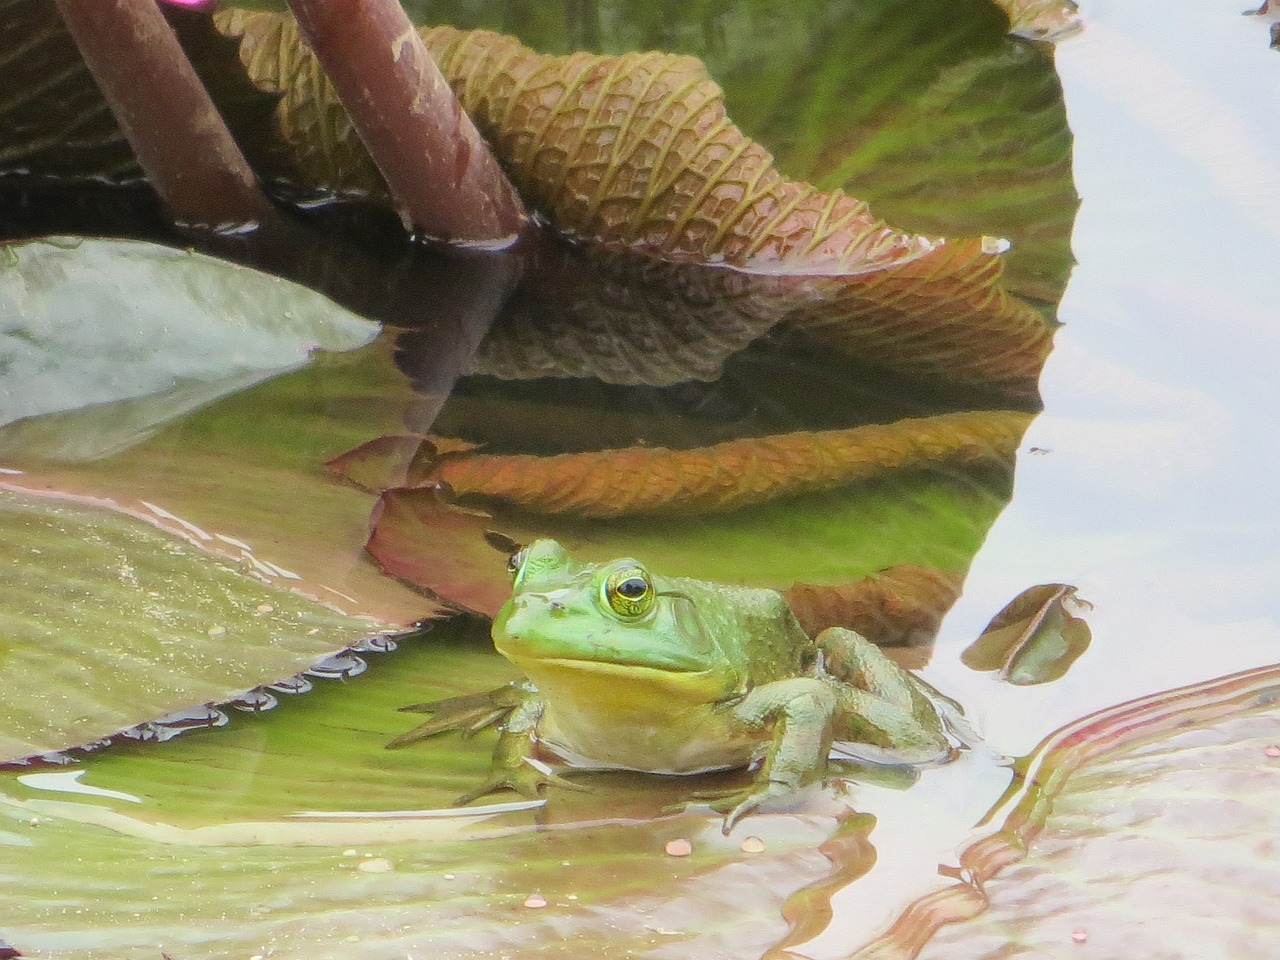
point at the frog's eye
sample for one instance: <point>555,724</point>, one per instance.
<point>516,561</point>
<point>629,592</point>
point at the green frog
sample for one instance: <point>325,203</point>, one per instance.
<point>628,670</point>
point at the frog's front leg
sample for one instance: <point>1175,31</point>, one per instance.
<point>881,704</point>
<point>799,711</point>
<point>514,765</point>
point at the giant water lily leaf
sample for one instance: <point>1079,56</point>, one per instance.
<point>107,623</point>
<point>637,151</point>
<point>1035,638</point>
<point>122,363</point>
<point>1143,831</point>
<point>727,476</point>
<point>76,340</point>
<point>265,841</point>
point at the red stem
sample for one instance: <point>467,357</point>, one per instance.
<point>442,174</point>
<point>178,136</point>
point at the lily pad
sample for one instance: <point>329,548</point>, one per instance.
<point>262,839</point>
<point>1143,831</point>
<point>204,396</point>
<point>108,622</point>
<point>77,340</point>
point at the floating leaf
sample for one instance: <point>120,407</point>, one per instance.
<point>263,813</point>
<point>107,623</point>
<point>1123,828</point>
<point>1034,639</point>
<point>933,520</point>
<point>901,606</point>
<point>727,476</point>
<point>637,151</point>
<point>628,318</point>
<point>117,370</point>
<point>121,361</point>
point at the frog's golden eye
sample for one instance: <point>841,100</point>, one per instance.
<point>629,592</point>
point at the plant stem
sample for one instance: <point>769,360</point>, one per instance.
<point>165,113</point>
<point>445,180</point>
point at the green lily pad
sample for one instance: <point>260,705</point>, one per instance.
<point>236,841</point>
<point>108,623</point>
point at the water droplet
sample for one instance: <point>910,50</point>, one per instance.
<point>535,901</point>
<point>679,847</point>
<point>1080,935</point>
<point>375,865</point>
<point>217,631</point>
<point>1272,751</point>
<point>752,845</point>
<point>994,245</point>
<point>266,608</point>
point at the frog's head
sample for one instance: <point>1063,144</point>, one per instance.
<point>604,618</point>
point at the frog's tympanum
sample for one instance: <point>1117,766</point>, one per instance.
<point>629,670</point>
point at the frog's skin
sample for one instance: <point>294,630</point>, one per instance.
<point>629,670</point>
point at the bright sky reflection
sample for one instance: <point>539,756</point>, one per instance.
<point>1157,493</point>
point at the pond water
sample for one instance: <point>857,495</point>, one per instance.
<point>180,456</point>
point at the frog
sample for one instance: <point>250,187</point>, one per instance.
<point>625,669</point>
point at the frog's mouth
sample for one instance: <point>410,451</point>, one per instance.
<point>602,659</point>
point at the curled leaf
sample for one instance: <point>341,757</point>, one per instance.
<point>637,152</point>
<point>900,606</point>
<point>1034,639</point>
<point>730,475</point>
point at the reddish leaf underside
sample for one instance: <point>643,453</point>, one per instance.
<point>730,475</point>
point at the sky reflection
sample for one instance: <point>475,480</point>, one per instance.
<point>1155,492</point>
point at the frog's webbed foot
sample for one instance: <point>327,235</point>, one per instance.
<point>527,777</point>
<point>469,713</point>
<point>736,803</point>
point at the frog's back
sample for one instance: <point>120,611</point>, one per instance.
<point>754,628</point>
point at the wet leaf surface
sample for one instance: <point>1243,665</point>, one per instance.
<point>901,606</point>
<point>108,622</point>
<point>1133,836</point>
<point>245,825</point>
<point>1035,638</point>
